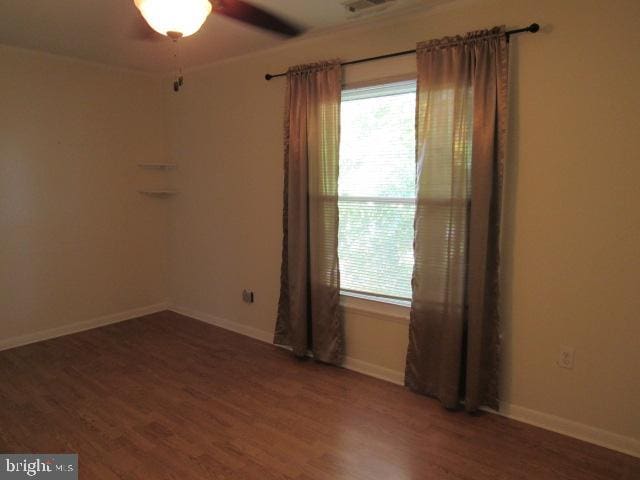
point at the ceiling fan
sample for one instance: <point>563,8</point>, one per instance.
<point>180,18</point>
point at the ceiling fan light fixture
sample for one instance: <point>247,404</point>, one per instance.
<point>177,16</point>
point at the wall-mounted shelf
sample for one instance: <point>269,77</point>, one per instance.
<point>159,193</point>
<point>158,166</point>
<point>158,179</point>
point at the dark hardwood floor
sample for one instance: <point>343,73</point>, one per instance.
<point>168,397</point>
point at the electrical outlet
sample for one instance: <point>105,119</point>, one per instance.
<point>247,296</point>
<point>565,360</point>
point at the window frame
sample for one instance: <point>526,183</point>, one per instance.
<point>370,302</point>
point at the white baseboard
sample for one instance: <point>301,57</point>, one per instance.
<point>373,370</point>
<point>547,421</point>
<point>350,363</point>
<point>245,330</point>
<point>50,333</point>
<point>581,431</point>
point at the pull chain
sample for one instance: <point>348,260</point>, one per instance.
<point>179,80</point>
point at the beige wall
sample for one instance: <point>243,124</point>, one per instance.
<point>77,241</point>
<point>572,223</point>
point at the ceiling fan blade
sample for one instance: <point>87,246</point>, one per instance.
<point>256,16</point>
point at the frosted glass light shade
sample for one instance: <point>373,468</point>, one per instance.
<point>183,16</point>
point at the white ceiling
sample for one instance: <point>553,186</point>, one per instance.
<point>102,30</point>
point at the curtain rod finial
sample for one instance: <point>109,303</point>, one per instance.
<point>534,27</point>
<point>268,76</point>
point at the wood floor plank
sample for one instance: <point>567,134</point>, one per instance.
<point>168,397</point>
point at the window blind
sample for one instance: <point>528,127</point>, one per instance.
<point>376,190</point>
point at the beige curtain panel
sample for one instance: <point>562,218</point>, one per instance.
<point>461,128</point>
<point>309,318</point>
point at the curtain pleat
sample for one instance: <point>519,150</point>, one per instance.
<point>460,137</point>
<point>309,317</point>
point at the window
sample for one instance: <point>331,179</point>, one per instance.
<point>377,190</point>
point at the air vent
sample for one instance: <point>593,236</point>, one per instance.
<point>358,7</point>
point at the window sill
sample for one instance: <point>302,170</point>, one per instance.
<point>381,308</point>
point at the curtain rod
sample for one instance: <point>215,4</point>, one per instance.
<point>533,28</point>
